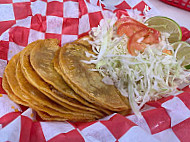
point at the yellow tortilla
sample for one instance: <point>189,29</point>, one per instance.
<point>10,93</point>
<point>87,83</point>
<point>33,92</point>
<point>10,73</point>
<point>58,69</point>
<point>47,117</point>
<point>41,58</point>
<point>46,88</point>
<point>48,114</point>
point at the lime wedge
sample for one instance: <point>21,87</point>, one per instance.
<point>184,51</point>
<point>181,43</point>
<point>166,25</point>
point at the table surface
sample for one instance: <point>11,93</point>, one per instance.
<point>182,17</point>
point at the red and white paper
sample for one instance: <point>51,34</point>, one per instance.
<point>24,21</point>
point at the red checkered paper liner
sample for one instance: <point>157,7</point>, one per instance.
<point>24,21</point>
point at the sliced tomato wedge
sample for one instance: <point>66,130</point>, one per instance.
<point>128,20</point>
<point>153,37</point>
<point>129,29</point>
<point>149,35</point>
<point>128,26</point>
<point>138,33</point>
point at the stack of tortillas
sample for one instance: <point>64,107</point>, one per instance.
<point>54,82</point>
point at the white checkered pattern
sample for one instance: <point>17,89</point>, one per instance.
<point>35,35</point>
<point>14,49</point>
<point>23,22</point>
<point>42,6</point>
<point>52,129</point>
<point>6,11</point>
<point>140,122</point>
<point>71,9</point>
<point>7,105</point>
<point>92,8</point>
<point>68,38</point>
<point>97,132</point>
<point>137,134</point>
<point>170,136</point>
<point>5,36</point>
<point>3,64</point>
<point>133,3</point>
<point>14,127</point>
<point>177,110</point>
<point>15,1</point>
<point>54,24</point>
<point>84,25</point>
<point>70,20</point>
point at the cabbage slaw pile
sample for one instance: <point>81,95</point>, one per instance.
<point>148,76</point>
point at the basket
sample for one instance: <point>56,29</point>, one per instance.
<point>184,4</point>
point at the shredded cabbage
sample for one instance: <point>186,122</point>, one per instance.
<point>148,76</point>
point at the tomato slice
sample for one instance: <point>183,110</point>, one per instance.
<point>128,20</point>
<point>128,26</point>
<point>149,35</point>
<point>136,31</point>
<point>153,37</point>
<point>129,29</point>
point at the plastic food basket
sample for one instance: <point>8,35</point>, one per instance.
<point>184,4</point>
